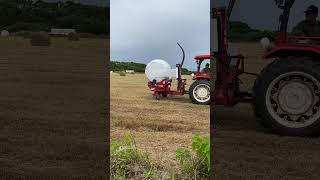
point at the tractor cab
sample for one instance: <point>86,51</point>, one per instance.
<point>199,60</point>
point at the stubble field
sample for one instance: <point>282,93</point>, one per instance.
<point>242,149</point>
<point>53,108</point>
<point>47,101</point>
<point>158,127</point>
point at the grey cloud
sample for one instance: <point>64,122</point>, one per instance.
<point>263,14</point>
<point>144,30</point>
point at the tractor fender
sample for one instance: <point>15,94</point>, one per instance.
<point>200,75</point>
<point>200,78</point>
<point>285,51</point>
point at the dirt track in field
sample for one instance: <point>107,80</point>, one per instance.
<point>243,150</point>
<point>159,127</point>
<point>52,108</point>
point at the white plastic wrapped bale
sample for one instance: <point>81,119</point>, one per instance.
<point>159,70</point>
<point>4,33</point>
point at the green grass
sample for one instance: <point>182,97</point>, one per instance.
<point>128,162</point>
<point>195,164</point>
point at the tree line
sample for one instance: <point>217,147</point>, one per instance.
<point>28,15</point>
<point>240,31</point>
<point>137,67</point>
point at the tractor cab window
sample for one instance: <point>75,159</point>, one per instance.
<point>199,63</point>
<point>310,25</point>
<point>203,66</point>
<point>206,68</point>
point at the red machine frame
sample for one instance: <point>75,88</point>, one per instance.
<point>163,88</point>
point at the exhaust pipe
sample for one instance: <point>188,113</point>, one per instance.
<point>183,54</point>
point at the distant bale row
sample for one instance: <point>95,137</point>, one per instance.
<point>70,36</point>
<point>42,38</point>
<point>24,34</point>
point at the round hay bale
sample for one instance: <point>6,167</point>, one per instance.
<point>122,73</point>
<point>5,33</point>
<point>40,39</point>
<point>73,37</point>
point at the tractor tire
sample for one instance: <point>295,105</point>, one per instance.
<point>286,97</point>
<point>199,92</point>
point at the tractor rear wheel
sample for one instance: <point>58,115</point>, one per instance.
<point>199,92</point>
<point>286,97</point>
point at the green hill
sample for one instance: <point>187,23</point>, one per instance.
<point>137,67</point>
<point>28,15</point>
<point>122,66</point>
<point>240,31</point>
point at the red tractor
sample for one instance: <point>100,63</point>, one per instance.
<point>286,94</point>
<point>199,90</point>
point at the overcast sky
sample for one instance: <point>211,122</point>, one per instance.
<point>264,14</point>
<point>143,30</point>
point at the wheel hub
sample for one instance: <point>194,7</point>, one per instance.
<point>202,93</point>
<point>293,99</point>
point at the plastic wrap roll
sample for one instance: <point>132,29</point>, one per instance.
<point>159,70</point>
